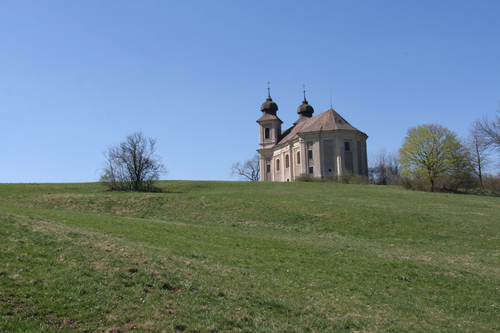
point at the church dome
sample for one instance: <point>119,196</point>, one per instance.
<point>305,109</point>
<point>269,105</point>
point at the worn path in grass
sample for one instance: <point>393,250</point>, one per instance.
<point>232,256</point>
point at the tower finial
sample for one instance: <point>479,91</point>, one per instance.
<point>304,86</point>
<point>268,90</point>
<point>331,107</point>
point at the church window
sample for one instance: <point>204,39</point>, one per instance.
<point>347,145</point>
<point>278,165</point>
<point>268,167</point>
<point>267,134</point>
<point>311,170</point>
<point>310,154</point>
<point>298,157</point>
<point>287,161</point>
<point>360,164</point>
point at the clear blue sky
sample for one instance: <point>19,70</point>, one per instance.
<point>79,76</point>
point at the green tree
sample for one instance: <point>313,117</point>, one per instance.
<point>430,150</point>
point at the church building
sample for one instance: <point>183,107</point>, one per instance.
<point>325,145</point>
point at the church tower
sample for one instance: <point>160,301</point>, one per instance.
<point>269,123</point>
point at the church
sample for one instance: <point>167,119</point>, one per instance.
<point>324,146</point>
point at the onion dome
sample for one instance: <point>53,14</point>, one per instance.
<point>305,109</point>
<point>269,106</point>
<point>269,109</point>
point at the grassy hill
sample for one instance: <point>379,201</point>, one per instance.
<point>247,257</point>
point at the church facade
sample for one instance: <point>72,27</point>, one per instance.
<point>325,145</point>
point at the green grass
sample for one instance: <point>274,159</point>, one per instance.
<point>247,257</point>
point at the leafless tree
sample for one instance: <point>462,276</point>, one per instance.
<point>477,150</point>
<point>490,129</point>
<point>249,170</point>
<point>384,168</point>
<point>132,165</point>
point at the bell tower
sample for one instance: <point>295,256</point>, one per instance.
<point>269,123</point>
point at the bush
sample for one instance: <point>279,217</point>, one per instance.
<point>345,176</point>
<point>455,182</point>
<point>307,177</point>
<point>492,184</point>
<point>458,182</point>
<point>416,182</point>
<point>363,180</point>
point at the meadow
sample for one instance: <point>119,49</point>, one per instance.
<point>247,257</point>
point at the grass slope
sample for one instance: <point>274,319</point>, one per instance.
<point>247,257</point>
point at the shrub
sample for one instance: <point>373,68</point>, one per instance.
<point>345,176</point>
<point>458,182</point>
<point>306,177</point>
<point>492,184</point>
<point>416,182</point>
<point>359,180</point>
<point>455,182</point>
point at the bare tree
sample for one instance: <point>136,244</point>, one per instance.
<point>478,150</point>
<point>384,168</point>
<point>132,165</point>
<point>249,170</point>
<point>490,129</point>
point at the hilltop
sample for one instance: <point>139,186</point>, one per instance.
<point>242,256</point>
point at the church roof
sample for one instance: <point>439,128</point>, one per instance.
<point>329,120</point>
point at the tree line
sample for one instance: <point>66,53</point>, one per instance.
<point>432,157</point>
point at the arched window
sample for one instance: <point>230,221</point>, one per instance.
<point>287,161</point>
<point>267,134</point>
<point>298,157</point>
<point>278,165</point>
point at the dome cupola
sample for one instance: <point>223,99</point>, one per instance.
<point>304,110</point>
<point>269,106</point>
